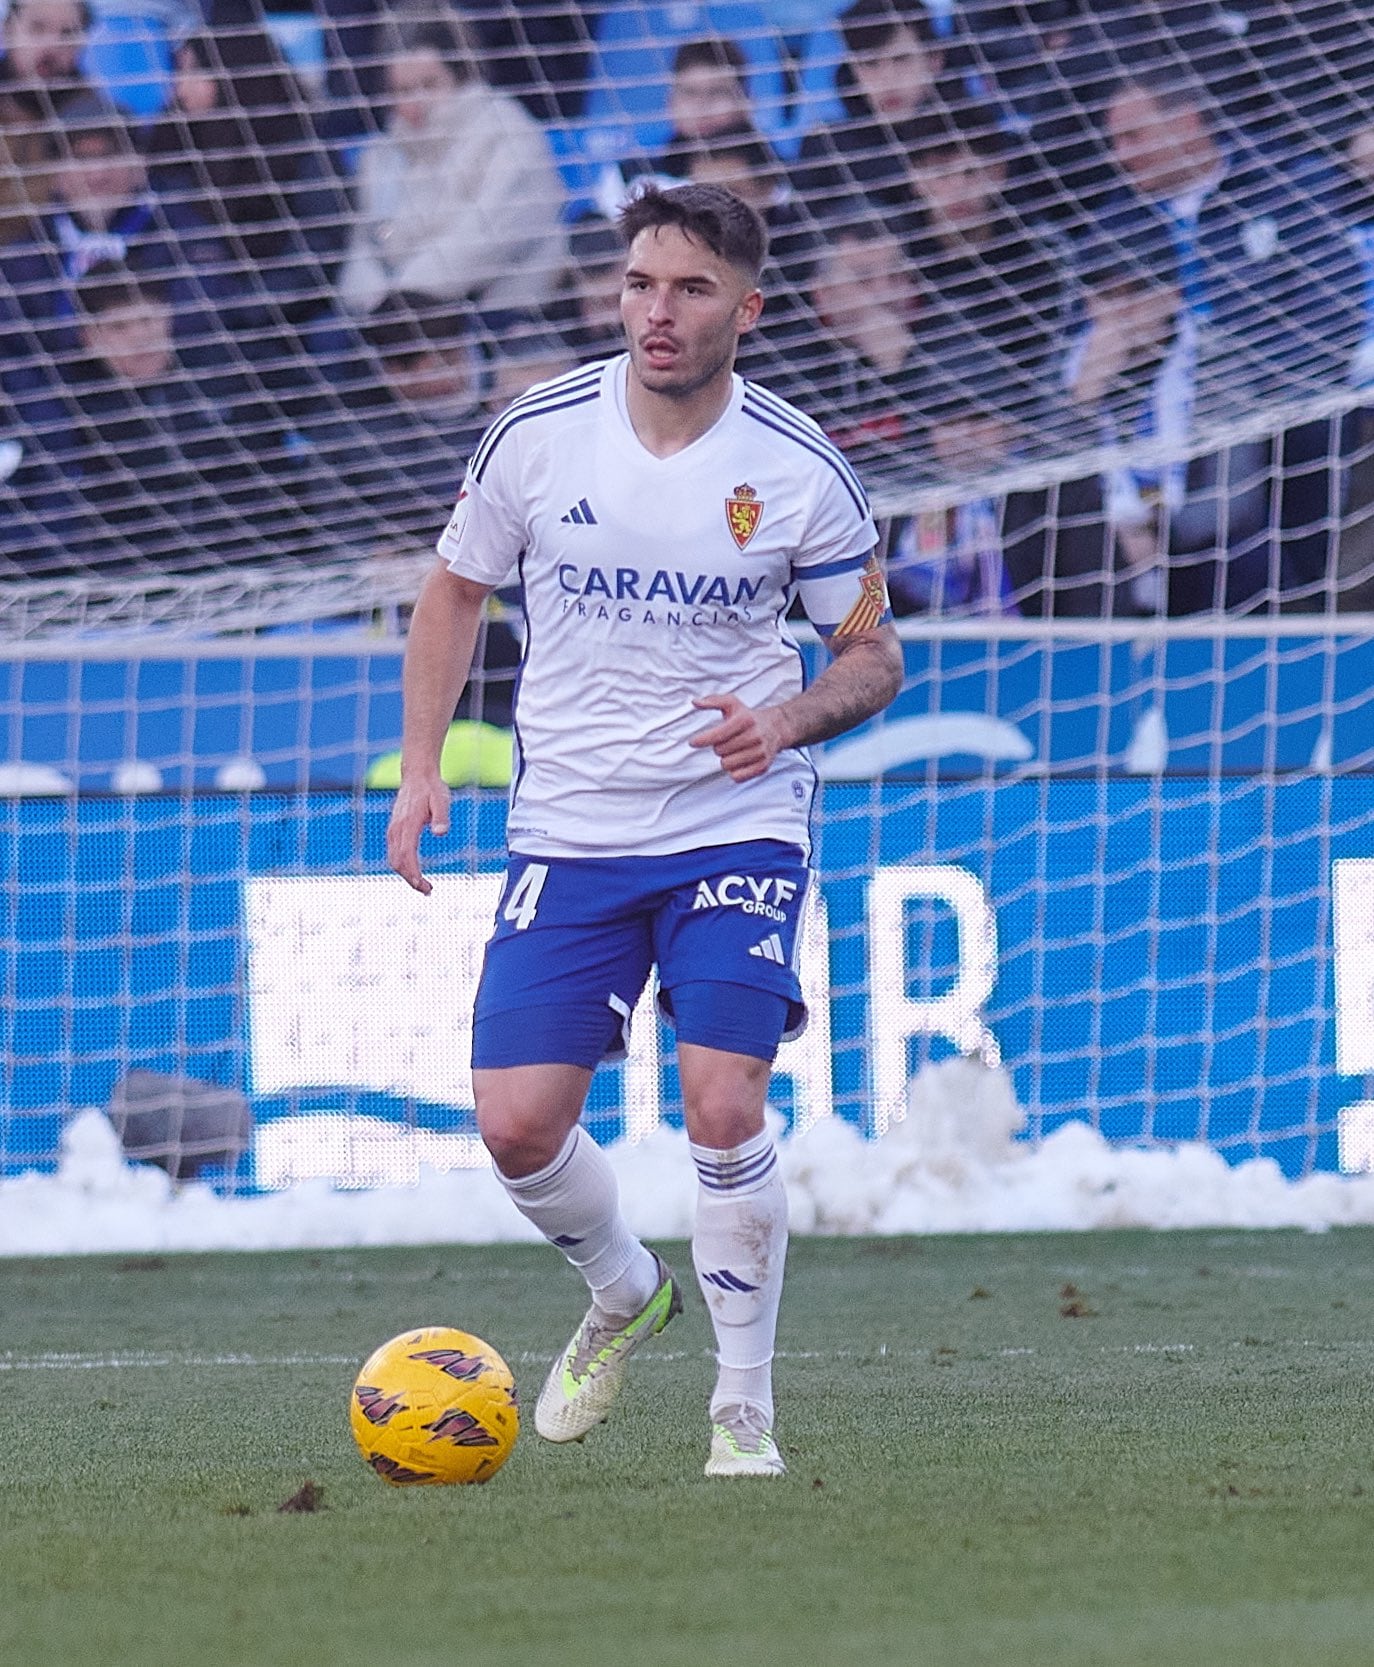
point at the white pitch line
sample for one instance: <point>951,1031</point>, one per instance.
<point>161,1362</point>
<point>151,1361</point>
<point>165,1362</point>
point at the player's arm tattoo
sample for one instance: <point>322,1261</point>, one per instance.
<point>864,676</point>
<point>861,680</point>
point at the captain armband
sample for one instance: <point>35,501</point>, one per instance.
<point>871,608</point>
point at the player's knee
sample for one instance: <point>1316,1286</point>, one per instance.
<point>523,1133</point>
<point>724,1107</point>
<point>519,1146</point>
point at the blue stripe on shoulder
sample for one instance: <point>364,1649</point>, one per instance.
<point>548,394</point>
<point>832,569</point>
<point>514,417</point>
<point>807,427</point>
<point>819,448</point>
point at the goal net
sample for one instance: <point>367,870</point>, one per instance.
<point>1081,289</point>
<point>1129,875</point>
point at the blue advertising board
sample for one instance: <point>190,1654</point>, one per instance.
<point>1163,950</point>
<point>315,716</point>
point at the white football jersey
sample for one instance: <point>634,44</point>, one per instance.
<point>647,581</point>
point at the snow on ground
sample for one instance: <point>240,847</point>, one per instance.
<point>952,1165</point>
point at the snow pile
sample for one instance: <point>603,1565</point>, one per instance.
<point>952,1165</point>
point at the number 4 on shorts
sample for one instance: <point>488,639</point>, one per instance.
<point>524,898</point>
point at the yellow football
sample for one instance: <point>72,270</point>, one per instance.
<point>435,1405</point>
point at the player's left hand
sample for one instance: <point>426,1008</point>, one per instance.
<point>746,740</point>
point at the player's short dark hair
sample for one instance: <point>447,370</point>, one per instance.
<point>710,52</point>
<point>109,285</point>
<point>708,214</point>
<point>869,25</point>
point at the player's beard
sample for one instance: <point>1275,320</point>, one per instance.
<point>721,358</point>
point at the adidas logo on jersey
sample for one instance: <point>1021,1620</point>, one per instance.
<point>742,891</point>
<point>580,515</point>
<point>770,949</point>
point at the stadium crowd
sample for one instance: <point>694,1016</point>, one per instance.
<point>1095,278</point>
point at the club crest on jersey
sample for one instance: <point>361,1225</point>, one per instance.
<point>743,512</point>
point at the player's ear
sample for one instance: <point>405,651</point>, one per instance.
<point>749,310</point>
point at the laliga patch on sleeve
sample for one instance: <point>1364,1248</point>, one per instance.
<point>458,520</point>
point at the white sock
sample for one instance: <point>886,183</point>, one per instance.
<point>739,1249</point>
<point>575,1204</point>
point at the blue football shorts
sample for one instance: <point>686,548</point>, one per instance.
<point>575,937</point>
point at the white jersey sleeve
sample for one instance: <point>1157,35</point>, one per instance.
<point>487,531</point>
<point>836,570</point>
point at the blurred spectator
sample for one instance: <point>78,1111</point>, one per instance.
<point>171,470</point>
<point>386,454</point>
<point>1251,55</point>
<point>459,198</point>
<point>237,144</point>
<point>37,509</point>
<point>1314,63</point>
<point>1268,273</point>
<point>909,415</point>
<point>43,42</point>
<point>387,460</point>
<point>632,67</point>
<point>524,352</point>
<point>1359,160</point>
<point>866,384</point>
<point>40,79</point>
<point>1042,66</point>
<point>537,49</point>
<point>103,209</point>
<point>586,310</point>
<point>1042,551</point>
<point>995,287</point>
<point>708,95</point>
<point>1262,254</point>
<point>1192,534</point>
<point>893,78</point>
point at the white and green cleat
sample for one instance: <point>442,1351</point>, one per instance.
<point>586,1377</point>
<point>742,1445</point>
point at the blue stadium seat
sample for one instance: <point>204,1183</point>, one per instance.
<point>300,35</point>
<point>130,55</point>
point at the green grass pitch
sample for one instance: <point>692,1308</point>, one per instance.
<point>1067,1449</point>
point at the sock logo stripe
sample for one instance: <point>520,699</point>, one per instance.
<point>725,1280</point>
<point>726,1178</point>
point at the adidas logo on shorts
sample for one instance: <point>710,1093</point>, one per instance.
<point>770,949</point>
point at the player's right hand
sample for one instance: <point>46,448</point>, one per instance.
<point>420,804</point>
